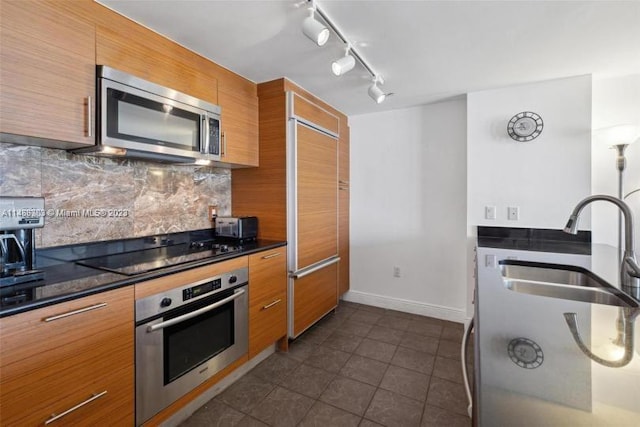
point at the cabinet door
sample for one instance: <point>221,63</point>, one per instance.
<point>126,46</point>
<point>267,299</point>
<point>343,210</point>
<point>317,196</point>
<point>73,359</point>
<point>239,127</point>
<point>47,72</point>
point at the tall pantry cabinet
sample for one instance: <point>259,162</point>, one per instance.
<point>296,195</point>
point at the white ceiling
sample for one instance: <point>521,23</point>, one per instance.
<point>426,51</point>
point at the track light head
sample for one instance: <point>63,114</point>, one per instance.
<point>314,30</point>
<point>376,93</point>
<point>344,64</point>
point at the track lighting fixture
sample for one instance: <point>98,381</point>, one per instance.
<point>313,29</point>
<point>319,33</point>
<point>375,92</point>
<point>344,64</point>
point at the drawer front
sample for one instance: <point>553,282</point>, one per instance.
<point>49,334</point>
<point>64,365</point>
<point>314,296</point>
<point>82,392</point>
<point>267,275</point>
<point>267,322</point>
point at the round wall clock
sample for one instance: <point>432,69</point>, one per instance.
<point>525,126</point>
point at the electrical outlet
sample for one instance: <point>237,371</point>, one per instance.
<point>490,212</point>
<point>396,271</point>
<point>513,213</point>
<point>212,212</point>
<point>490,261</point>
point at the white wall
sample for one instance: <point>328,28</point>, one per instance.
<point>615,101</point>
<point>408,209</point>
<point>545,177</point>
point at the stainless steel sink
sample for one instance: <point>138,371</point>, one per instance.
<point>562,281</point>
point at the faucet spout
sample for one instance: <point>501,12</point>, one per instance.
<point>629,270</point>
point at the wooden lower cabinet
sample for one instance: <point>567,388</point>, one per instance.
<point>267,299</point>
<point>70,363</point>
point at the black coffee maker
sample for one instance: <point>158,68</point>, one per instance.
<point>19,217</point>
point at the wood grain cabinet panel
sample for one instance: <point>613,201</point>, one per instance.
<point>239,126</point>
<point>136,50</point>
<point>313,296</point>
<point>343,209</point>
<point>267,299</point>
<point>317,193</point>
<point>47,73</point>
<point>77,355</point>
<point>315,114</point>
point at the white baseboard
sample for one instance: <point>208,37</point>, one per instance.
<point>408,306</point>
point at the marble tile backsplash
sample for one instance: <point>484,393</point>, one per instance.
<point>91,198</point>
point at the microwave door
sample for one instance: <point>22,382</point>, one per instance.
<point>138,120</point>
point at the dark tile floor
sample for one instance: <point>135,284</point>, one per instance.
<point>359,366</point>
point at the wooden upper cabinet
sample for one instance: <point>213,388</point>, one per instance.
<point>239,124</point>
<point>124,45</point>
<point>129,47</point>
<point>315,114</point>
<point>47,73</point>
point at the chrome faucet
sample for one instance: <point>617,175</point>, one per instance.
<point>629,283</point>
<point>629,268</point>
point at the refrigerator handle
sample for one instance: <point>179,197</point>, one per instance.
<point>306,271</point>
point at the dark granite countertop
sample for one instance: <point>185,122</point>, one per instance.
<point>66,279</point>
<point>535,239</point>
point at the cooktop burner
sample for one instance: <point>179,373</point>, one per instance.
<point>132,263</point>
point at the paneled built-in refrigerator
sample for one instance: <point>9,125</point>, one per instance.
<point>312,218</point>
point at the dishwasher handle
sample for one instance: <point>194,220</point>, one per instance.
<point>237,294</point>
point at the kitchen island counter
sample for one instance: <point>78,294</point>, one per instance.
<point>531,371</point>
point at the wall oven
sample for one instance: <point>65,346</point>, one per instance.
<point>186,335</point>
<point>140,119</point>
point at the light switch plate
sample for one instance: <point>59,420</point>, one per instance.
<point>490,212</point>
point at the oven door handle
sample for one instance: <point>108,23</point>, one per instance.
<point>156,327</point>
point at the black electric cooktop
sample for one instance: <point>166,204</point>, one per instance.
<point>143,261</point>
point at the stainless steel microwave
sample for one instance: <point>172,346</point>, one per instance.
<point>140,119</point>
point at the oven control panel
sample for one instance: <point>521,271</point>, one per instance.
<point>189,292</point>
<point>205,288</point>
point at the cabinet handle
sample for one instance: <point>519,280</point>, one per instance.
<point>223,149</point>
<point>89,118</point>
<point>343,188</point>
<point>272,304</point>
<point>343,182</point>
<point>74,312</point>
<point>55,417</point>
<point>272,255</point>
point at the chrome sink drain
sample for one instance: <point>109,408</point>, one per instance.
<point>525,353</point>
